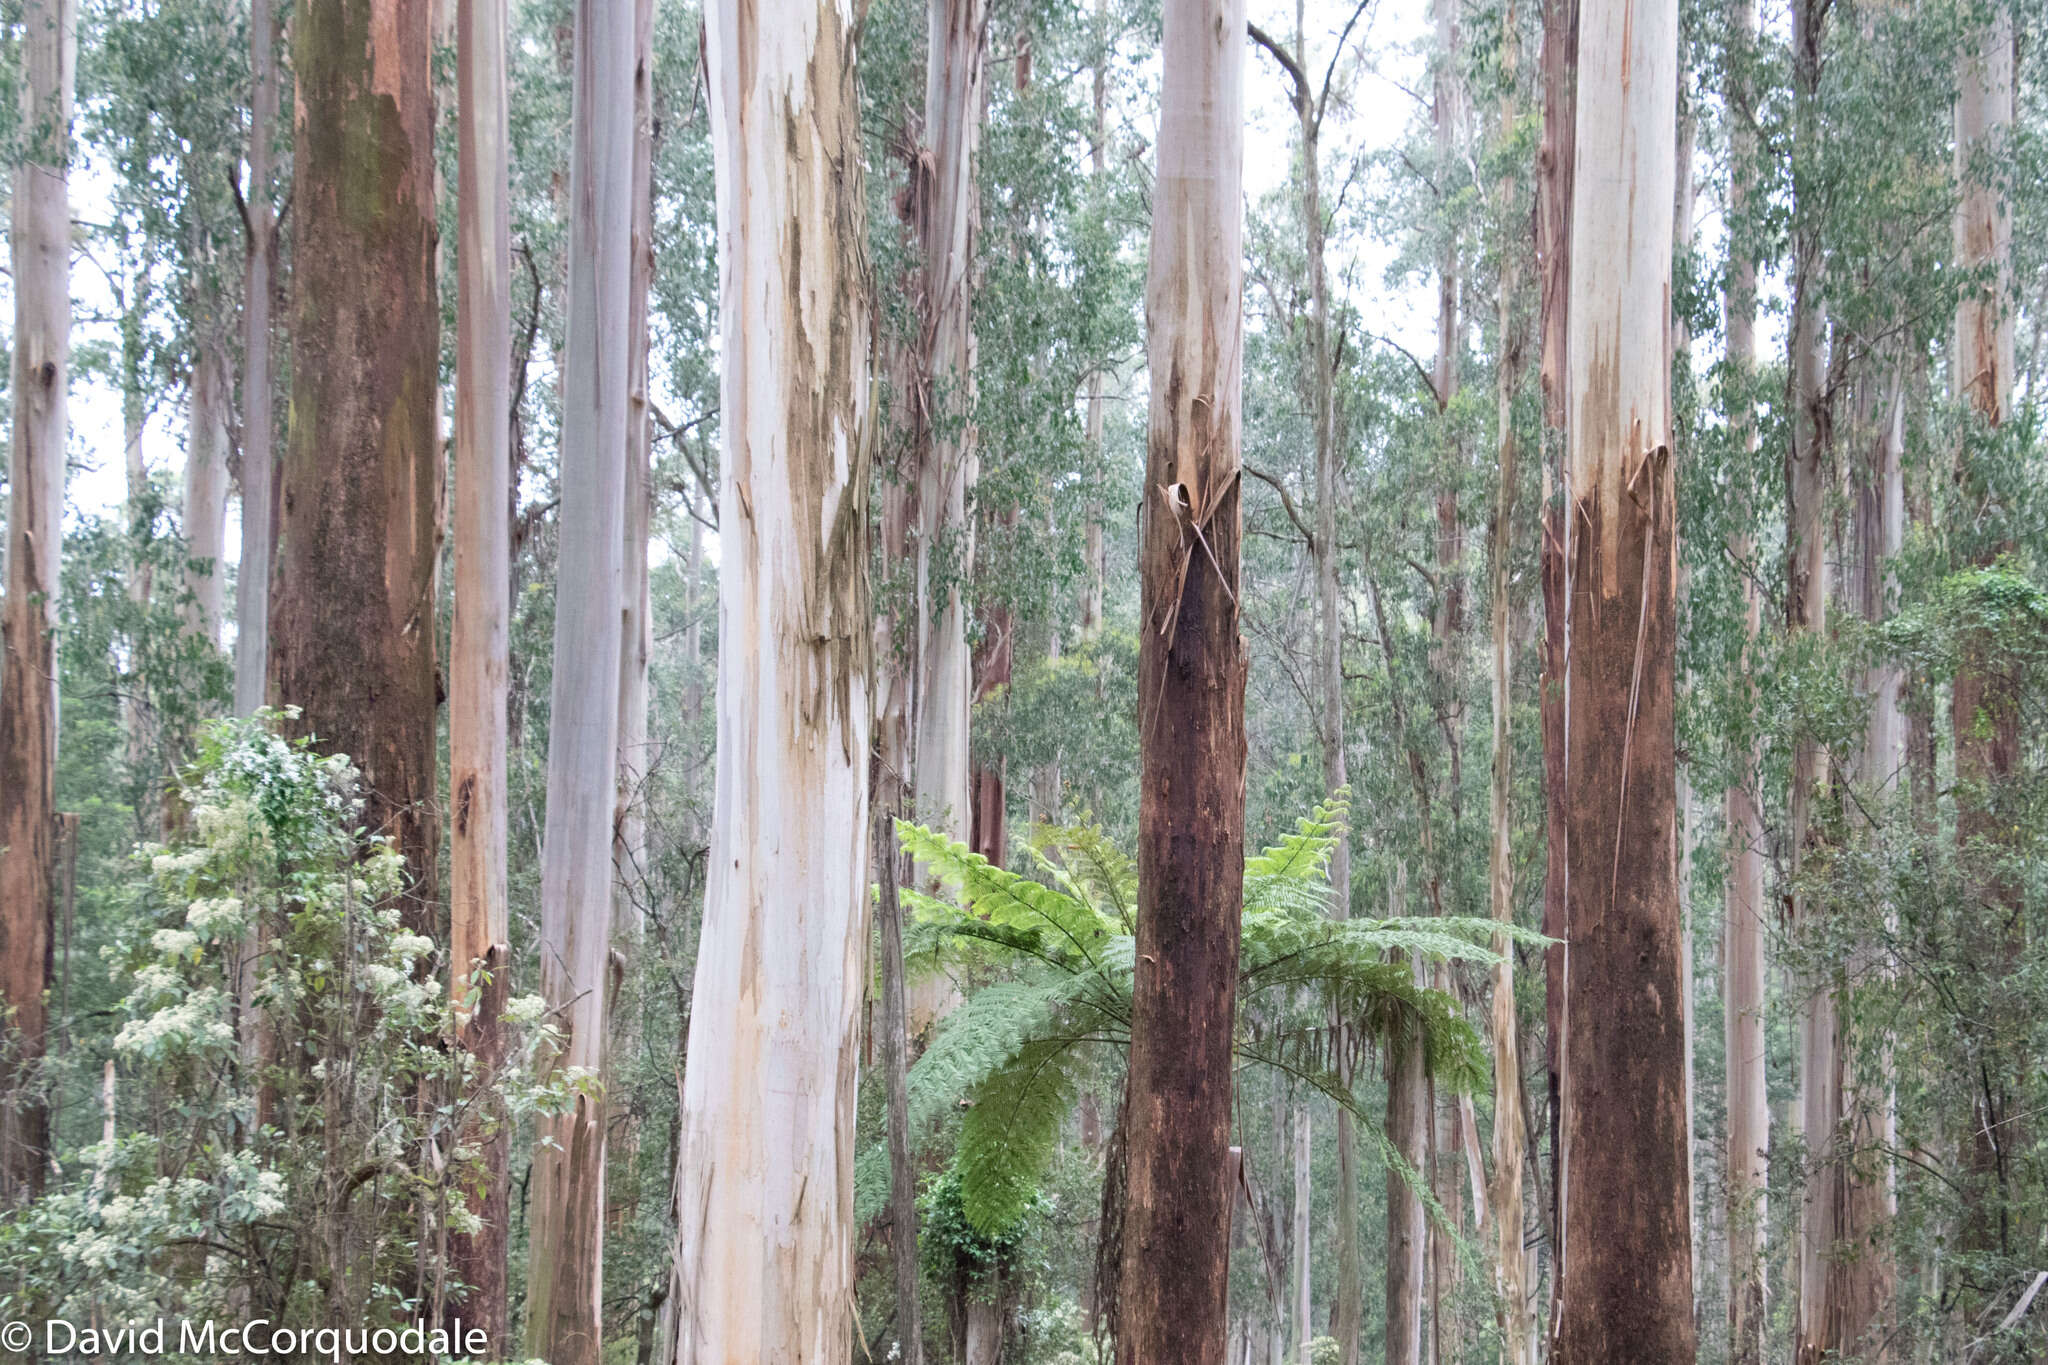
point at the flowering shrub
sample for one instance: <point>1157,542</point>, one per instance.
<point>286,1024</point>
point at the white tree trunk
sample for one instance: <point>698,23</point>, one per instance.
<point>953,102</point>
<point>1983,360</point>
<point>259,465</point>
<point>635,613</point>
<point>565,1274</point>
<point>764,1185</point>
<point>205,520</point>
<point>28,679</point>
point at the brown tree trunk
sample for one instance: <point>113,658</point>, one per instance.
<point>1407,1127</point>
<point>1191,677</point>
<point>1627,1264</point>
<point>1553,262</point>
<point>479,650</point>
<point>895,1075</point>
<point>35,513</point>
<point>352,617</point>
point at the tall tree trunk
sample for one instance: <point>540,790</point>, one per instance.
<point>635,602</point>
<point>352,615</point>
<point>1095,569</point>
<point>944,191</point>
<point>764,1260</point>
<point>1506,1196</point>
<point>1746,1156</point>
<point>565,1274</point>
<point>35,511</point>
<point>205,518</point>
<point>259,463</point>
<point>1191,676</point>
<point>895,1074</point>
<point>1553,262</point>
<point>480,662</point>
<point>1408,1132</point>
<point>1304,1198</point>
<point>1985,709</point>
<point>1627,1264</point>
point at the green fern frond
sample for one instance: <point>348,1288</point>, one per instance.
<point>1065,926</point>
<point>1305,853</point>
<point>1105,875</point>
<point>1008,1136</point>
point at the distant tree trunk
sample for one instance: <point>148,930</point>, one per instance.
<point>252,581</point>
<point>565,1274</point>
<point>1191,676</point>
<point>635,603</point>
<point>1304,1198</point>
<point>479,662</point>
<point>1508,1131</point>
<point>1095,569</point>
<point>205,520</point>
<point>352,615</point>
<point>1408,1131</point>
<point>1627,1263</point>
<point>895,1075</point>
<point>943,189</point>
<point>1746,1157</point>
<point>764,1259</point>
<point>1553,262</point>
<point>35,513</point>
<point>1985,707</point>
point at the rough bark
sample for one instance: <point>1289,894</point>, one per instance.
<point>259,462</point>
<point>1627,1266</point>
<point>479,651</point>
<point>1553,262</point>
<point>352,609</point>
<point>764,1260</point>
<point>566,1272</point>
<point>41,251</point>
<point>1191,676</point>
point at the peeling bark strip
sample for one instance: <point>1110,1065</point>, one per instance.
<point>1627,1268</point>
<point>352,616</point>
<point>28,676</point>
<point>1191,678</point>
<point>764,1182</point>
<point>479,666</point>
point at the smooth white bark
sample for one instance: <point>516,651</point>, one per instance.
<point>259,461</point>
<point>566,1274</point>
<point>205,520</point>
<point>765,1228</point>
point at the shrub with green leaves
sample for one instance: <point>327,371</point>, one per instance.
<point>285,1127</point>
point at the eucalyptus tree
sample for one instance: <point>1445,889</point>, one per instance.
<point>352,633</point>
<point>1626,1257</point>
<point>479,649</point>
<point>764,1263</point>
<point>1745,1168</point>
<point>259,460</point>
<point>565,1272</point>
<point>39,391</point>
<point>1191,679</point>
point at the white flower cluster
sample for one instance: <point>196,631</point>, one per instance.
<point>194,1022</point>
<point>218,918</point>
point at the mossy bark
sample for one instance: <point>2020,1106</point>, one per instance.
<point>352,608</point>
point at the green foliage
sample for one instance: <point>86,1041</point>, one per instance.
<point>1014,1054</point>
